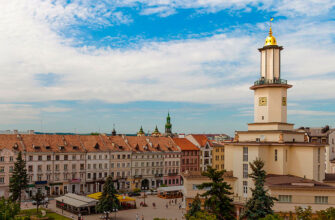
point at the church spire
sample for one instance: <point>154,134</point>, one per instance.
<point>141,132</point>
<point>168,125</point>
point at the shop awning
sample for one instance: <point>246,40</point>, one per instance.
<point>121,198</point>
<point>76,200</point>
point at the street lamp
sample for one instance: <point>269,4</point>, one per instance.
<point>107,214</point>
<point>115,210</point>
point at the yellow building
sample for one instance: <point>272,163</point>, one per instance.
<point>218,156</point>
<point>289,158</point>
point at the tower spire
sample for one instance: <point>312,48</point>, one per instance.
<point>168,125</point>
<point>270,40</point>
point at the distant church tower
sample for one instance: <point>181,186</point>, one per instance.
<point>168,126</point>
<point>140,132</point>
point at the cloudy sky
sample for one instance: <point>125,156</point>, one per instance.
<point>82,65</point>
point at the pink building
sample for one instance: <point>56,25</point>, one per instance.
<point>190,155</point>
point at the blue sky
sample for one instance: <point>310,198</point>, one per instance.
<point>82,66</point>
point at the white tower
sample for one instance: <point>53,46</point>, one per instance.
<point>270,91</point>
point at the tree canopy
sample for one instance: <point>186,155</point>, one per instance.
<point>261,203</point>
<point>108,201</point>
<point>8,209</point>
<point>19,179</point>
<point>217,200</point>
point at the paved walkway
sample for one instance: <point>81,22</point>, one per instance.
<point>149,213</point>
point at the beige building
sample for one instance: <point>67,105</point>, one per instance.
<point>120,162</point>
<point>286,152</point>
<point>9,147</point>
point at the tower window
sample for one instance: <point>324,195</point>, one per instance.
<point>262,117</point>
<point>245,171</point>
<point>245,154</point>
<point>276,154</point>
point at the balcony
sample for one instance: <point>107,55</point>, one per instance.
<point>158,175</point>
<point>263,81</point>
<point>137,176</point>
<point>173,174</point>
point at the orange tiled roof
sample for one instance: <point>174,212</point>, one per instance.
<point>139,143</point>
<point>117,143</point>
<point>164,143</point>
<point>8,141</point>
<point>93,143</point>
<point>185,144</point>
<point>201,139</point>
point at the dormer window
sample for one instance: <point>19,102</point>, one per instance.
<point>120,147</point>
<point>137,147</point>
<point>61,147</point>
<point>16,146</point>
<point>75,147</point>
<point>96,146</point>
<point>47,147</point>
<point>36,147</point>
<point>145,147</point>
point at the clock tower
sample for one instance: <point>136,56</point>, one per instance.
<point>270,90</point>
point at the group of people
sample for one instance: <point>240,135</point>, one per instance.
<point>173,202</point>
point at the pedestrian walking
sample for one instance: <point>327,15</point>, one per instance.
<point>142,217</point>
<point>167,206</point>
<point>137,218</point>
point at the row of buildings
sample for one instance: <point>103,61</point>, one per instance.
<point>57,164</point>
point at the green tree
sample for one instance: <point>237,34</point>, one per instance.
<point>38,198</point>
<point>8,209</point>
<point>303,213</point>
<point>203,215</point>
<point>19,179</point>
<point>272,217</point>
<point>108,200</point>
<point>261,203</point>
<point>217,195</point>
<point>195,207</point>
<point>327,214</point>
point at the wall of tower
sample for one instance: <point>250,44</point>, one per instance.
<point>270,63</point>
<point>271,110</point>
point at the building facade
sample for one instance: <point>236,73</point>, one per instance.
<point>218,156</point>
<point>206,149</point>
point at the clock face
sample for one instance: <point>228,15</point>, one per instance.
<point>283,101</point>
<point>262,101</point>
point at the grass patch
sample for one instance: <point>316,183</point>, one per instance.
<point>49,214</point>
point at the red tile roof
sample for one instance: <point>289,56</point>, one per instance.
<point>10,141</point>
<point>201,139</point>
<point>185,144</point>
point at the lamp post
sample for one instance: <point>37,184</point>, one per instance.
<point>62,206</point>
<point>115,210</point>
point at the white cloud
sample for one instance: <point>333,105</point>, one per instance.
<point>54,109</point>
<point>17,113</point>
<point>309,112</point>
<point>205,70</point>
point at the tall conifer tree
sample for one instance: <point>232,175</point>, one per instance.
<point>108,201</point>
<point>217,195</point>
<point>261,203</point>
<point>19,179</point>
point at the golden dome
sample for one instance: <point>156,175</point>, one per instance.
<point>270,40</point>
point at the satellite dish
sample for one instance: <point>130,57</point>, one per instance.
<point>262,138</point>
